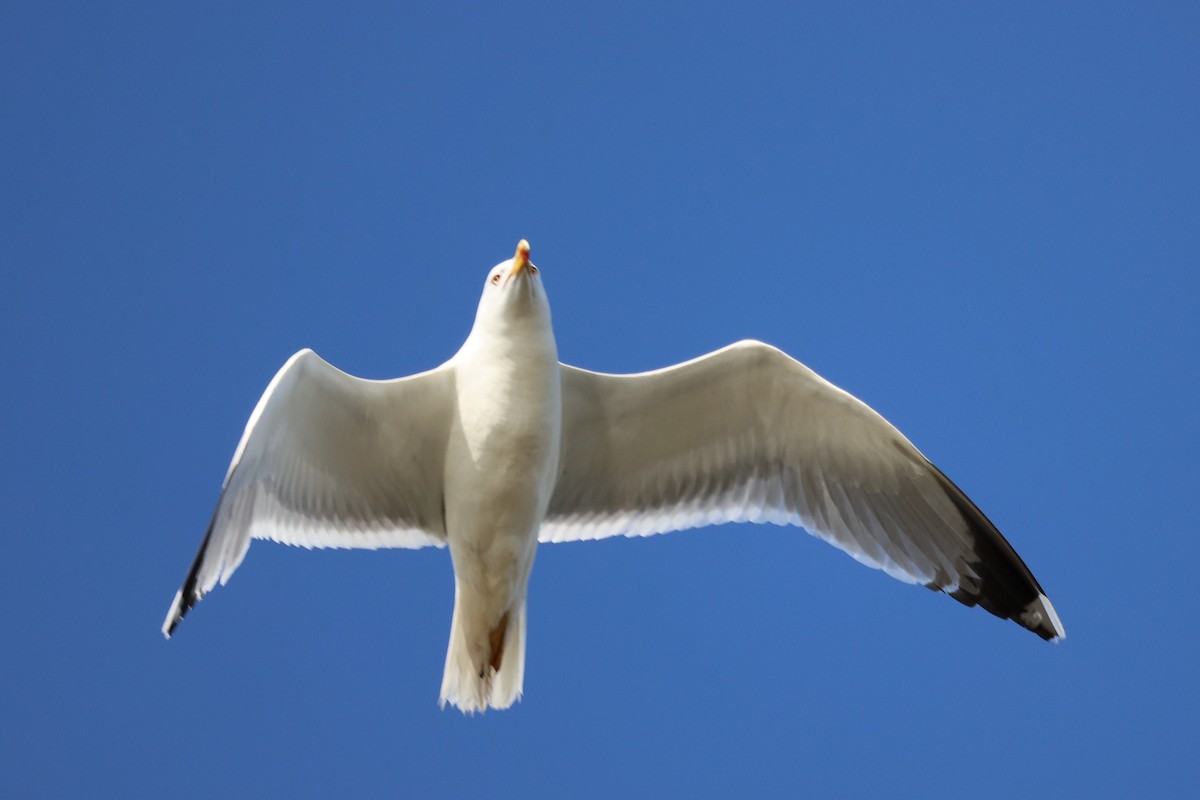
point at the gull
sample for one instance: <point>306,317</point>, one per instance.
<point>503,447</point>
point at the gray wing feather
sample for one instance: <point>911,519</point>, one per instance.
<point>329,460</point>
<point>748,434</point>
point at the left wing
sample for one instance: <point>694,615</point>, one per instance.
<point>749,434</point>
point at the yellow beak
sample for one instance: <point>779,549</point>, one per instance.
<point>521,259</point>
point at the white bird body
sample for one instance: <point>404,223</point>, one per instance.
<point>503,446</point>
<point>502,462</point>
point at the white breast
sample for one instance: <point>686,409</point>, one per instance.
<point>504,446</point>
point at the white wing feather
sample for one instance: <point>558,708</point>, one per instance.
<point>749,434</point>
<point>330,460</point>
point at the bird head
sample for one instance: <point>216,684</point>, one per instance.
<point>513,293</point>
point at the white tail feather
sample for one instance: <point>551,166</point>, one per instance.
<point>463,685</point>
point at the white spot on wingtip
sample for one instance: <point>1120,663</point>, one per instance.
<point>1040,612</point>
<point>172,615</point>
<point>1055,622</point>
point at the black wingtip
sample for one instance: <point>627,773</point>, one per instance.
<point>1005,587</point>
<point>188,594</point>
<point>1047,634</point>
<point>179,610</point>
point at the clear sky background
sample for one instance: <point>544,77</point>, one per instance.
<point>980,218</point>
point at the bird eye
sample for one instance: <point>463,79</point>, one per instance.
<point>533,269</point>
<point>495,278</point>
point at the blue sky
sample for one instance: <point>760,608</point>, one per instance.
<point>979,218</point>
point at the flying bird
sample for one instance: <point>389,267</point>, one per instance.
<point>503,447</point>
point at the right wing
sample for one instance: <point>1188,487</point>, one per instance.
<point>330,460</point>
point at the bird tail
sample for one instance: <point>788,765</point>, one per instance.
<point>496,678</point>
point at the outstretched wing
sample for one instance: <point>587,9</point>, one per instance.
<point>329,460</point>
<point>749,434</point>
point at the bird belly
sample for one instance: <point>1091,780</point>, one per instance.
<point>502,462</point>
<point>494,507</point>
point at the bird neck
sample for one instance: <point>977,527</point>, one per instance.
<point>524,339</point>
